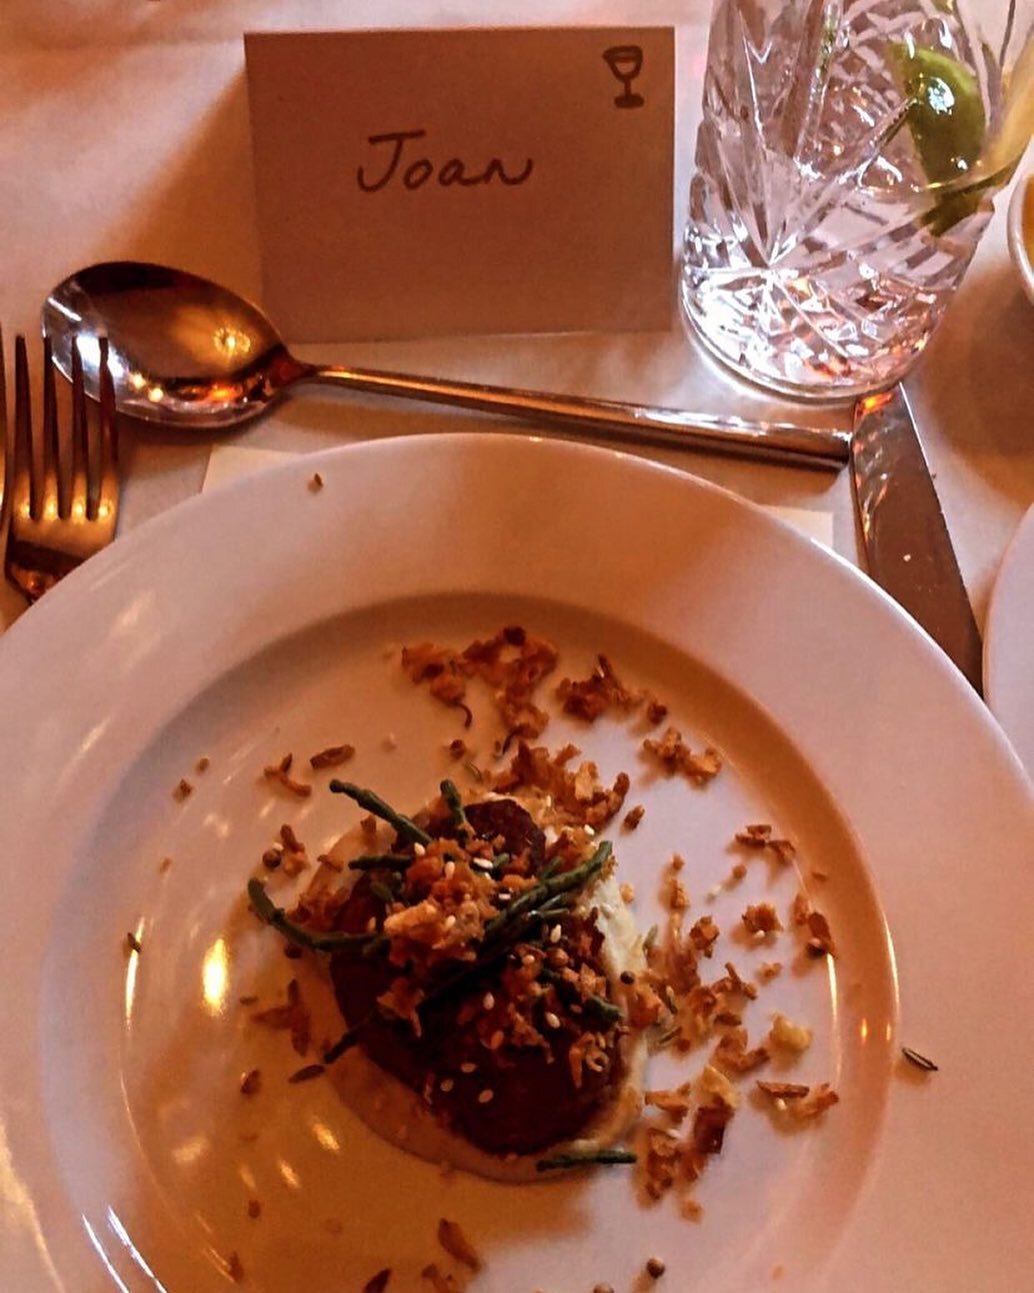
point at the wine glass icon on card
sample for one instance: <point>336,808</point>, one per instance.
<point>626,62</point>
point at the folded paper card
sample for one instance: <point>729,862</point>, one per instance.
<point>431,182</point>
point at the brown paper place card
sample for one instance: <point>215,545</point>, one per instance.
<point>412,183</point>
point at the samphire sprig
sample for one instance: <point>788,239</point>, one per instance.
<point>319,940</point>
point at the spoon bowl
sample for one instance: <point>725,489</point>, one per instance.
<point>182,350</point>
<point>188,353</point>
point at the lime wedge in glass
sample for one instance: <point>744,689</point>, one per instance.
<point>945,111</point>
<point>946,118</point>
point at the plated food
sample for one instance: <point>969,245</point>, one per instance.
<point>498,1000</point>
<point>125,1077</point>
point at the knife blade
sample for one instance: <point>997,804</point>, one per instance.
<point>907,547</point>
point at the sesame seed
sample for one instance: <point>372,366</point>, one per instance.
<point>589,831</point>
<point>714,891</point>
<point>496,1040</point>
<point>481,864</point>
<point>655,1268</point>
<point>780,1104</point>
<point>447,1084</point>
<point>468,1067</point>
<point>552,1020</point>
<point>391,741</point>
<point>486,1095</point>
<point>555,934</point>
<point>488,1001</point>
<point>450,869</point>
<point>418,849</point>
<point>449,921</point>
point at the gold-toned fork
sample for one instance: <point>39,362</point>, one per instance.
<point>59,517</point>
<point>5,440</point>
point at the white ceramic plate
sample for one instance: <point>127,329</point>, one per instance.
<point>1009,643</point>
<point>255,621</point>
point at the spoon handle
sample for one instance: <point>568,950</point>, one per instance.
<point>764,441</point>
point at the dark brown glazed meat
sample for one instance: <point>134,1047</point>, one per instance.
<point>534,1100</point>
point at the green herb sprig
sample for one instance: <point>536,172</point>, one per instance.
<point>565,882</point>
<point>382,862</point>
<point>319,940</point>
<point>590,1158</point>
<point>373,803</point>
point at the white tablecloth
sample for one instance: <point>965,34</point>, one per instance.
<point>124,133</point>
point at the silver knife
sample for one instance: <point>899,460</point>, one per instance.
<point>908,550</point>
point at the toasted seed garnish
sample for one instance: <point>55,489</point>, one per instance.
<point>920,1061</point>
<point>132,942</point>
<point>655,1268</point>
<point>281,773</point>
<point>439,1282</point>
<point>306,1073</point>
<point>332,757</point>
<point>456,1244</point>
<point>183,789</point>
<point>783,1090</point>
<point>251,1082</point>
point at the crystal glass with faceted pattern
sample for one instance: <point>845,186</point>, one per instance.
<point>845,165</point>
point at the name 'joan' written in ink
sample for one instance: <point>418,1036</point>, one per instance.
<point>392,161</point>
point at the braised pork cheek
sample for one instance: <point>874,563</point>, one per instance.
<point>516,1048</point>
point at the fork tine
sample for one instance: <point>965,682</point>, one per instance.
<point>5,440</point>
<point>79,500</point>
<point>108,485</point>
<point>54,495</point>
<point>25,494</point>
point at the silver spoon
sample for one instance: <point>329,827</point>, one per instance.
<point>186,352</point>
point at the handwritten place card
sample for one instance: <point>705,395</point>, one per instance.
<point>412,183</point>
